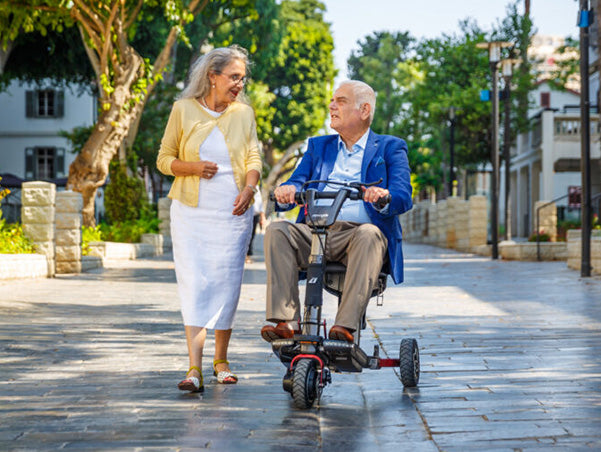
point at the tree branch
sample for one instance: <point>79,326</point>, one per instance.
<point>132,17</point>
<point>90,52</point>
<point>95,19</point>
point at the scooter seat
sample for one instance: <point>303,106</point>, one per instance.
<point>334,279</point>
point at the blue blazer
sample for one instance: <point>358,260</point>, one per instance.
<point>384,157</point>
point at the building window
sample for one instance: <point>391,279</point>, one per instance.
<point>44,163</point>
<point>44,103</point>
<point>545,100</point>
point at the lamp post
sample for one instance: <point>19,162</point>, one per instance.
<point>507,71</point>
<point>584,21</point>
<point>452,181</point>
<point>494,56</point>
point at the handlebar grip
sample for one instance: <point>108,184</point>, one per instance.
<point>381,203</point>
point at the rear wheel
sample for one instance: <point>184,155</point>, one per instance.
<point>409,362</point>
<point>304,383</point>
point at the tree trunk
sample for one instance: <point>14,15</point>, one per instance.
<point>90,168</point>
<point>275,173</point>
<point>4,54</point>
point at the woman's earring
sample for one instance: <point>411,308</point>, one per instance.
<point>213,86</point>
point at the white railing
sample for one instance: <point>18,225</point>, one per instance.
<point>569,127</point>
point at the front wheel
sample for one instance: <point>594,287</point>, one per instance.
<point>409,362</point>
<point>304,383</point>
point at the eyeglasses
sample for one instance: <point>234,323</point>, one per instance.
<point>235,78</point>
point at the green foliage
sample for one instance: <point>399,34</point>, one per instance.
<point>58,58</point>
<point>518,29</point>
<point>542,237</point>
<point>89,234</point>
<point>77,137</point>
<point>13,239</point>
<point>129,231</point>
<point>125,197</point>
<point>382,62</point>
<point>418,83</point>
<point>152,125</point>
<point>567,64</point>
<point>301,76</point>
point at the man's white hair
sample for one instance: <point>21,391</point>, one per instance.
<point>364,94</point>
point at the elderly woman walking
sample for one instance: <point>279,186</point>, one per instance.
<point>210,145</point>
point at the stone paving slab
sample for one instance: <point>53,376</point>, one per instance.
<point>510,361</point>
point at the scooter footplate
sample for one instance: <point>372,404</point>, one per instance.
<point>345,357</point>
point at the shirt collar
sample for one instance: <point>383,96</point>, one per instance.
<point>359,145</point>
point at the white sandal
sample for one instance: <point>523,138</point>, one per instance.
<point>192,384</point>
<point>225,377</point>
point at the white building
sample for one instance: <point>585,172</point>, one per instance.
<point>545,162</point>
<point>30,119</point>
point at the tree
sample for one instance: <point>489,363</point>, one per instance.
<point>123,76</point>
<point>301,78</point>
<point>382,63</point>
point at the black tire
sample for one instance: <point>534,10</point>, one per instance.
<point>409,358</point>
<point>304,384</point>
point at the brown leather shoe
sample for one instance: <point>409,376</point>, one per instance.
<point>340,333</point>
<point>282,330</point>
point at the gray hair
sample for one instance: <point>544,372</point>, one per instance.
<point>215,61</point>
<point>364,94</point>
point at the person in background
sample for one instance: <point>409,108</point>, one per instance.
<point>210,145</point>
<point>258,220</point>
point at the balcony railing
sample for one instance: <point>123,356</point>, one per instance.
<point>569,128</point>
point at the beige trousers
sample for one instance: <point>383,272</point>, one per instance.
<point>361,247</point>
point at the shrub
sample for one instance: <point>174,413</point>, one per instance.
<point>125,197</point>
<point>542,237</point>
<point>13,240</point>
<point>89,234</point>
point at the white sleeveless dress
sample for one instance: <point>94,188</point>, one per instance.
<point>209,243</point>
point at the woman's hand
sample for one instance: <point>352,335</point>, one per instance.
<point>242,201</point>
<point>206,169</point>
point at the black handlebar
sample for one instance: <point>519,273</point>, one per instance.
<point>299,197</point>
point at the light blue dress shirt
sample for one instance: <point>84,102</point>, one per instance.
<point>347,168</point>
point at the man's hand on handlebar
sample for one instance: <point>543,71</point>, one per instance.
<point>284,194</point>
<point>373,194</point>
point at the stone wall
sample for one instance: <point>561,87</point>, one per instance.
<point>547,218</point>
<point>37,217</point>
<point>452,223</point>
<point>574,239</point>
<point>68,221</point>
<point>52,221</point>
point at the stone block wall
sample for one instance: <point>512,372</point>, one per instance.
<point>68,231</point>
<point>37,217</point>
<point>574,239</point>
<point>451,223</point>
<point>547,218</point>
<point>164,207</point>
<point>477,222</point>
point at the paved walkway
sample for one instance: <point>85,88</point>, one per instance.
<point>511,360</point>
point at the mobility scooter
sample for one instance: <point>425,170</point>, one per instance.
<point>309,357</point>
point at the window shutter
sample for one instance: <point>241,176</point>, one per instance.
<point>60,104</point>
<point>30,104</point>
<point>60,163</point>
<point>29,163</point>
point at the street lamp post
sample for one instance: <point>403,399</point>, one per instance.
<point>452,181</point>
<point>584,21</point>
<point>494,56</point>
<point>507,71</point>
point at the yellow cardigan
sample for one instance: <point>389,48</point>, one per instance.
<point>189,126</point>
